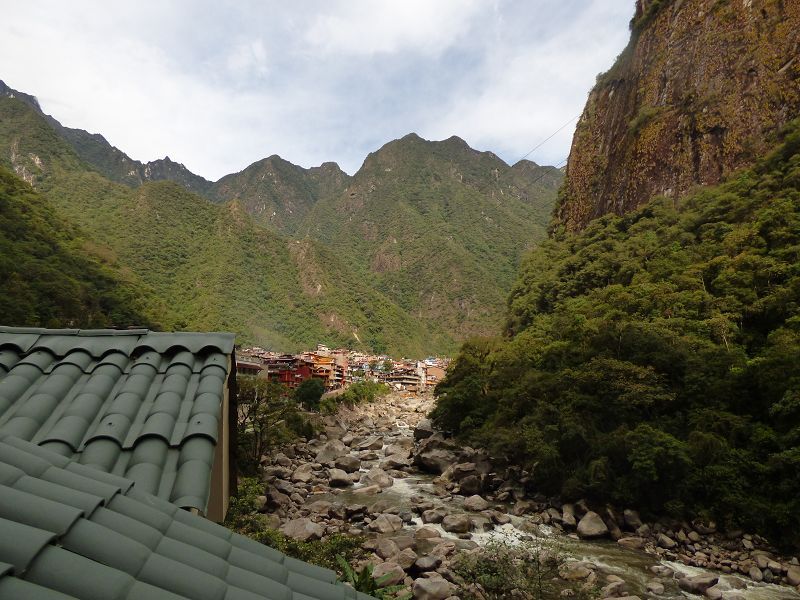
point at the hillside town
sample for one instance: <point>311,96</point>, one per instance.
<point>338,368</point>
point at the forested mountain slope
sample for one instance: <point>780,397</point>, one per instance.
<point>651,360</point>
<point>438,227</point>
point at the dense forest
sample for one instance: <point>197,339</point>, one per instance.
<point>49,277</point>
<point>651,359</point>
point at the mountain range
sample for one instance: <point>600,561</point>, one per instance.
<point>410,255</point>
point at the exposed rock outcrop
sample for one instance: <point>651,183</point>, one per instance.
<point>698,92</point>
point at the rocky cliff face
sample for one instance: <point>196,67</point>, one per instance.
<point>699,92</point>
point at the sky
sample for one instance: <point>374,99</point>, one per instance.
<point>217,85</point>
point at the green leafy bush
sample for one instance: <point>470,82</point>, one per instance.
<point>653,359</point>
<point>243,518</point>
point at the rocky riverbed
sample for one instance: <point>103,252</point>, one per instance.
<point>382,472</point>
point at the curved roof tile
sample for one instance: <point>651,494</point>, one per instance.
<point>102,397</point>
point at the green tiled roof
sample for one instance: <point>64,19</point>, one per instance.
<point>135,403</point>
<point>71,532</point>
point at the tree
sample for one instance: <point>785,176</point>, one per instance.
<point>309,392</point>
<point>264,408</point>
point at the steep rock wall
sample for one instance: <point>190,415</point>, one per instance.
<point>700,90</point>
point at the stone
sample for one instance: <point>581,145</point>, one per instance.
<point>457,523</point>
<point>386,523</point>
<point>386,548</point>
<point>698,584</point>
<point>632,519</point>
<point>470,485</point>
<point>320,507</point>
<point>655,587</point>
<point>476,503</point>
<point>592,526</point>
<point>793,575</point>
<point>348,463</point>
<point>303,473</point>
<point>302,529</point>
<point>371,443</point>
<point>388,573</point>
<point>426,533</point>
<point>330,451</point>
<point>427,563</point>
<point>276,498</point>
<point>377,476</point>
<point>434,515</point>
<point>368,490</point>
<point>613,589</point>
<point>434,460</point>
<point>406,558</point>
<point>714,592</point>
<point>664,541</point>
<point>574,572</point>
<point>431,588</point>
<point>338,478</point>
<point>632,543</point>
<point>395,461</point>
<point>423,430</point>
<point>568,516</point>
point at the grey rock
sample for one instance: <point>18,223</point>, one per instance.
<point>666,542</point>
<point>303,473</point>
<point>302,529</point>
<point>330,451</point>
<point>348,463</point>
<point>457,523</point>
<point>386,523</point>
<point>698,584</point>
<point>592,526</point>
<point>432,588</point>
<point>434,460</point>
<point>386,548</point>
<point>470,485</point>
<point>476,503</point>
<point>427,563</point>
<point>338,478</point>
<point>423,430</point>
<point>388,573</point>
<point>377,476</point>
<point>632,519</point>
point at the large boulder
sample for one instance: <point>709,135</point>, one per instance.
<point>303,474</point>
<point>330,451</point>
<point>302,529</point>
<point>698,584</point>
<point>348,463</point>
<point>377,476</point>
<point>431,588</point>
<point>396,461</point>
<point>374,442</point>
<point>434,460</point>
<point>457,523</point>
<point>470,485</point>
<point>476,503</point>
<point>386,523</point>
<point>388,573</point>
<point>592,526</point>
<point>423,430</point>
<point>338,478</point>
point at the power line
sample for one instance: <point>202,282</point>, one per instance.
<point>547,139</point>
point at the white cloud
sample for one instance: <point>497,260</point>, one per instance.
<point>218,86</point>
<point>366,27</point>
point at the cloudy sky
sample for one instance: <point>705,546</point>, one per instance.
<point>219,84</point>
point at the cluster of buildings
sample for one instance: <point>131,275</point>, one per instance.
<point>340,367</point>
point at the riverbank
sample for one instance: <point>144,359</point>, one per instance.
<point>421,504</point>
